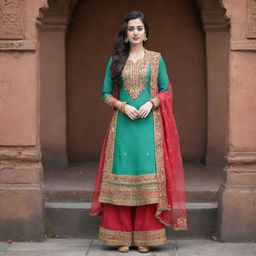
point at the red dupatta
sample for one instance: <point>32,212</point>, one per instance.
<point>175,216</point>
<point>174,172</point>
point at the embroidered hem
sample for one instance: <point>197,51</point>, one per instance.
<point>148,238</point>
<point>129,195</point>
<point>132,238</point>
<point>113,237</point>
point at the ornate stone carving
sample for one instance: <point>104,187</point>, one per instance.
<point>11,19</point>
<point>213,15</point>
<point>18,45</point>
<point>57,16</point>
<point>242,45</point>
<point>251,22</point>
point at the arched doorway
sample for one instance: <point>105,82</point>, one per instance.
<point>178,35</point>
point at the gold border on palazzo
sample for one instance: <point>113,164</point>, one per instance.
<point>149,238</point>
<point>115,238</point>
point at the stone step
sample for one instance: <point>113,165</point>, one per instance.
<point>76,183</point>
<point>72,220</point>
<point>192,195</point>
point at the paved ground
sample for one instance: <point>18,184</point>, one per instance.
<point>88,247</point>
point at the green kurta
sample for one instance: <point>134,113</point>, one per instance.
<point>134,151</point>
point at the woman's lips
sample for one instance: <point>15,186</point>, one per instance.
<point>135,38</point>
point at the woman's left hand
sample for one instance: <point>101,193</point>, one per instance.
<point>145,109</point>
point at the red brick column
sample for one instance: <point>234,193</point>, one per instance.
<point>237,204</point>
<point>21,184</point>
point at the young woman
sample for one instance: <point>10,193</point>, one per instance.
<point>140,185</point>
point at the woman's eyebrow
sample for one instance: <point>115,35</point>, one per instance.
<point>134,26</point>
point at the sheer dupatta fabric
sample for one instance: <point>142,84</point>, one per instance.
<point>174,172</point>
<point>175,215</point>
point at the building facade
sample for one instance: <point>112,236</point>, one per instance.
<point>51,51</point>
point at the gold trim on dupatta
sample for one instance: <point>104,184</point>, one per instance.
<point>163,201</point>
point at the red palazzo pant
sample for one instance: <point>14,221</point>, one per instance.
<point>131,225</point>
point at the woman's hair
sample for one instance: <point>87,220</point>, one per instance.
<point>121,50</point>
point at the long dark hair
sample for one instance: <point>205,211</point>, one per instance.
<point>121,50</point>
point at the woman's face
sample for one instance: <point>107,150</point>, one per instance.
<point>135,31</point>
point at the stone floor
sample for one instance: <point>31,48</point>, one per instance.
<point>89,247</point>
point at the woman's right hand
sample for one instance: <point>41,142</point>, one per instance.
<point>131,111</point>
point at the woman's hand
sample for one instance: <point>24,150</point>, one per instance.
<point>145,109</point>
<point>131,111</point>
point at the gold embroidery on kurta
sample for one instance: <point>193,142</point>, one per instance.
<point>135,76</point>
<point>111,181</point>
<point>131,179</point>
<point>125,189</point>
<point>145,188</point>
<point>110,100</point>
<point>130,195</point>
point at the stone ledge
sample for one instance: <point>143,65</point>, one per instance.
<point>18,45</point>
<point>241,158</point>
<point>243,45</point>
<point>20,187</point>
<point>19,154</point>
<point>86,205</point>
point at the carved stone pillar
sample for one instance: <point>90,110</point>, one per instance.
<point>53,82</point>
<point>217,44</point>
<point>21,187</point>
<point>237,204</point>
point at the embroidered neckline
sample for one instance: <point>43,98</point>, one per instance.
<point>135,76</point>
<point>138,60</point>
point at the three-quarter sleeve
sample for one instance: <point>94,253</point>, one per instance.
<point>162,81</point>
<point>162,76</point>
<point>108,86</point>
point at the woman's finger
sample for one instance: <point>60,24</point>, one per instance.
<point>145,114</point>
<point>133,115</point>
<point>141,114</point>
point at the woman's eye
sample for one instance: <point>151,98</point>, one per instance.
<point>130,29</point>
<point>140,29</point>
